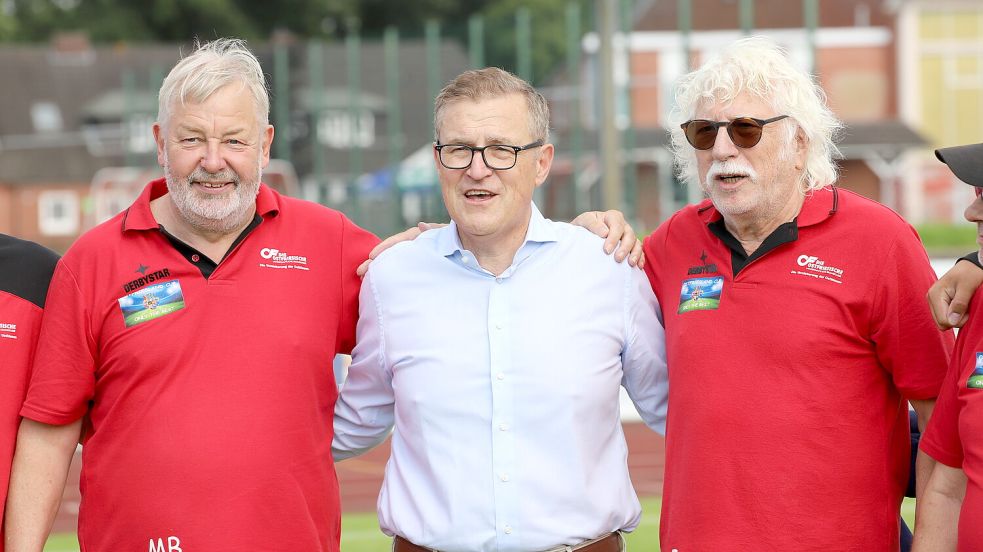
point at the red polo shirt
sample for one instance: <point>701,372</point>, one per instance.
<point>787,425</point>
<point>25,270</point>
<point>208,401</point>
<point>953,433</point>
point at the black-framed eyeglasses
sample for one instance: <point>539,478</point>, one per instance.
<point>499,157</point>
<point>744,132</point>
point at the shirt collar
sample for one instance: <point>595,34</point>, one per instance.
<point>540,231</point>
<point>139,216</point>
<point>818,206</point>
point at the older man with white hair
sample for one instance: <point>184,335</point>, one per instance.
<point>795,324</point>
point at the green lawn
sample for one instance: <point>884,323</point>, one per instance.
<point>948,240</point>
<point>360,532</point>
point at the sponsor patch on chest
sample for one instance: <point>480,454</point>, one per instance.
<point>8,330</point>
<point>701,294</point>
<point>151,303</point>
<point>814,267</point>
<point>975,380</point>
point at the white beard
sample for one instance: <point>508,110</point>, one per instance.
<point>213,213</point>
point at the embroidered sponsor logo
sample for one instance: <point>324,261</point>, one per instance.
<point>151,302</point>
<point>8,331</point>
<point>274,258</point>
<point>814,267</point>
<point>146,279</point>
<point>705,268</point>
<point>701,294</point>
<point>976,378</point>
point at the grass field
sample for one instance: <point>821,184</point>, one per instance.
<point>360,532</point>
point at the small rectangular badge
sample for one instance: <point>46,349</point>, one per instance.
<point>151,302</point>
<point>701,294</point>
<point>976,378</point>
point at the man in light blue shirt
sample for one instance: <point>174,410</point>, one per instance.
<point>496,346</point>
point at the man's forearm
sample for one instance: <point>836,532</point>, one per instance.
<point>924,463</point>
<point>37,482</point>
<point>937,510</point>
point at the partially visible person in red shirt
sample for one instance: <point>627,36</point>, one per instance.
<point>950,507</point>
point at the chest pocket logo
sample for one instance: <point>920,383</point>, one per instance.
<point>975,380</point>
<point>151,303</point>
<point>701,294</point>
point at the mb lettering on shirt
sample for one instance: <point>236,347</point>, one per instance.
<point>172,544</point>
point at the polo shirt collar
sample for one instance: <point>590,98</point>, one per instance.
<point>540,231</point>
<point>818,206</point>
<point>139,216</point>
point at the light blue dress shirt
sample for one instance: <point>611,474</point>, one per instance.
<point>503,390</point>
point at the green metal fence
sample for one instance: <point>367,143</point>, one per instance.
<point>354,115</point>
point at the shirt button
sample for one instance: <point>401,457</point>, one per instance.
<point>465,259</point>
<point>503,427</point>
<point>504,477</point>
<point>195,258</point>
<point>500,376</point>
<point>508,529</point>
<point>499,280</point>
<point>498,326</point>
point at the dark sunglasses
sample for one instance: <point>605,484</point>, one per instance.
<point>744,132</point>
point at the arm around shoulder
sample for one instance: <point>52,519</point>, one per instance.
<point>950,296</point>
<point>646,376</point>
<point>364,413</point>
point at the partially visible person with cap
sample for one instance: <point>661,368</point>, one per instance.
<point>950,297</point>
<point>952,501</point>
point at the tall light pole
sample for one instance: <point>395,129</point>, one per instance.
<point>611,184</point>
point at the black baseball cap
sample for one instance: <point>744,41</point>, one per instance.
<point>966,162</point>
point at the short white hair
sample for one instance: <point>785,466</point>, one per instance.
<point>212,66</point>
<point>758,66</point>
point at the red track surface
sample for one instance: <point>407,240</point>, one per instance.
<point>361,477</point>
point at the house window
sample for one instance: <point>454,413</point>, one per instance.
<point>140,134</point>
<point>340,130</point>
<point>109,203</point>
<point>58,213</point>
<point>46,117</point>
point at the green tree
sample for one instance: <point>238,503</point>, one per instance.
<point>549,33</point>
<point>180,20</point>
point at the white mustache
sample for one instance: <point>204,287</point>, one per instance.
<point>729,167</point>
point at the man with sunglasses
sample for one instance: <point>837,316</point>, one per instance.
<point>493,348</point>
<point>790,372</point>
